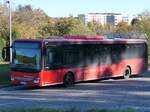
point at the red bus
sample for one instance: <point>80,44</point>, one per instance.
<point>72,59</point>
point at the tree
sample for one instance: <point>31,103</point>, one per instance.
<point>64,25</point>
<point>135,21</point>
<point>72,26</point>
<point>122,27</point>
<point>50,28</point>
<point>143,24</point>
<point>95,27</point>
<point>4,29</point>
<point>29,22</point>
<point>78,28</point>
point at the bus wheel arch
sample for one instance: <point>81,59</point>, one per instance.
<point>127,72</point>
<point>69,79</point>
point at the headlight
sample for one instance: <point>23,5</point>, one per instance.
<point>36,80</point>
<point>12,78</point>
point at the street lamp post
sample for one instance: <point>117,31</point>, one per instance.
<point>10,29</point>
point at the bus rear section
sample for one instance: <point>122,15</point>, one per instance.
<point>65,61</point>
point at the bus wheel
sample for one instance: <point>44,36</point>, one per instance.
<point>127,73</point>
<point>68,80</point>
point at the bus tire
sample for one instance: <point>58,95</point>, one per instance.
<point>68,80</point>
<point>127,73</point>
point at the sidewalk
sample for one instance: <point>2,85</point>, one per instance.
<point>4,85</point>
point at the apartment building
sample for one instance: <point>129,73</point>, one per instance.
<point>105,18</point>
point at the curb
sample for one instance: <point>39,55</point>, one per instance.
<point>4,85</point>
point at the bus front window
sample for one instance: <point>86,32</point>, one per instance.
<point>26,57</point>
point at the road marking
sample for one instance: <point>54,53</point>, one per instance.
<point>4,104</point>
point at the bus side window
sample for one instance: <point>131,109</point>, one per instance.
<point>53,58</point>
<point>69,58</point>
<point>92,55</point>
<point>127,52</point>
<point>131,51</point>
<point>116,53</point>
<point>105,55</point>
<point>141,51</point>
<point>80,56</point>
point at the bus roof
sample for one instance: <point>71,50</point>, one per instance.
<point>102,38</point>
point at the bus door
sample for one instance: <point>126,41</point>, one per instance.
<point>105,61</point>
<point>92,64</point>
<point>117,57</point>
<point>53,65</point>
<point>72,61</point>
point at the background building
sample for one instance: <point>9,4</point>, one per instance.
<point>105,18</point>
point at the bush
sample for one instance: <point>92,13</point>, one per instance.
<point>4,74</point>
<point>2,44</point>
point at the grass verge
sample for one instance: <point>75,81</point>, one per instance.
<point>4,74</point>
<point>53,110</point>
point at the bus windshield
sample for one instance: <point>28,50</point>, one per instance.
<point>26,56</point>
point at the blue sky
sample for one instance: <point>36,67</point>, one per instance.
<point>59,8</point>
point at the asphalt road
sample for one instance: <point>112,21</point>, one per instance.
<point>133,93</point>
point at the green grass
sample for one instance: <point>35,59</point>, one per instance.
<point>4,74</point>
<point>53,110</point>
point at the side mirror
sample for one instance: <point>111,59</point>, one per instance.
<point>6,53</point>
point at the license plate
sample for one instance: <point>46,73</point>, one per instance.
<point>24,83</point>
